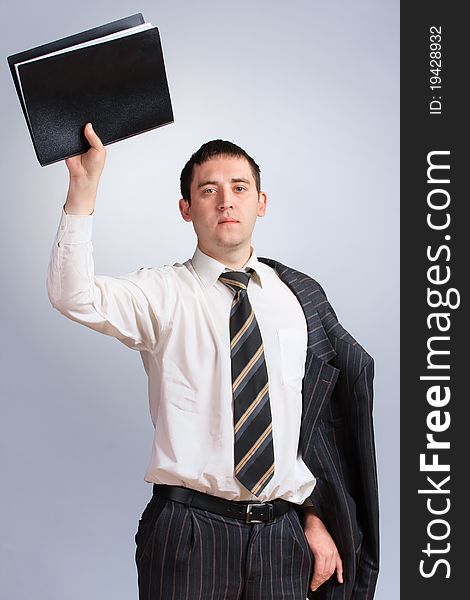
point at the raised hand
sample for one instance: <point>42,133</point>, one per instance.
<point>85,172</point>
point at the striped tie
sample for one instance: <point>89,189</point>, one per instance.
<point>254,450</point>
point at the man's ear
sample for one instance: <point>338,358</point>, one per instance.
<point>262,201</point>
<point>185,209</point>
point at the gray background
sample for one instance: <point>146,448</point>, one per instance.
<point>311,90</point>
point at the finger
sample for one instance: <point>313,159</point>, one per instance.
<point>70,161</point>
<point>92,137</point>
<point>316,579</point>
<point>318,574</point>
<point>315,584</point>
<point>73,163</point>
<point>330,566</point>
<point>339,569</point>
<point>324,570</point>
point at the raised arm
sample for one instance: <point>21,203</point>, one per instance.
<point>123,307</point>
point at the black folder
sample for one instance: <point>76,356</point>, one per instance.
<point>119,85</point>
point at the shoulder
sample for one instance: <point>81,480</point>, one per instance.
<point>301,283</point>
<point>148,278</point>
<point>310,293</point>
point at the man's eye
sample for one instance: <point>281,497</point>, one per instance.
<point>209,190</point>
<point>239,188</point>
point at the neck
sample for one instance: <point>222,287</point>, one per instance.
<point>233,258</point>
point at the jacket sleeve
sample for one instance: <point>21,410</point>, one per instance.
<point>345,496</point>
<point>368,507</point>
<point>348,487</point>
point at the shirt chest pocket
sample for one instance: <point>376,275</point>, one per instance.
<point>292,352</point>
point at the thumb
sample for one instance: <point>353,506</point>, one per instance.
<point>92,138</point>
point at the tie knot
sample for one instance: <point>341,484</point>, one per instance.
<point>236,280</point>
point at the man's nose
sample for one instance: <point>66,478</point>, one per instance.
<point>225,199</point>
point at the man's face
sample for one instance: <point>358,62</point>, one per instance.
<point>224,204</point>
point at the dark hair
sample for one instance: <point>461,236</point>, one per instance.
<point>213,149</point>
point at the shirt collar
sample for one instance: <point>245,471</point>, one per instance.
<point>209,269</point>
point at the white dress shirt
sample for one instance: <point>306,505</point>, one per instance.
<point>177,317</point>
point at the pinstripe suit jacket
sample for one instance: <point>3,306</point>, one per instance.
<point>337,439</point>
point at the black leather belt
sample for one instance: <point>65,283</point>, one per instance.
<point>247,511</point>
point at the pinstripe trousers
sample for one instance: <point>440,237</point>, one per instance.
<point>186,553</point>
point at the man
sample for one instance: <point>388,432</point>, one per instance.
<point>263,459</point>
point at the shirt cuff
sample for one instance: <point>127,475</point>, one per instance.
<point>75,229</point>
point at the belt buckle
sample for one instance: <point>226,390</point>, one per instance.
<point>264,506</point>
